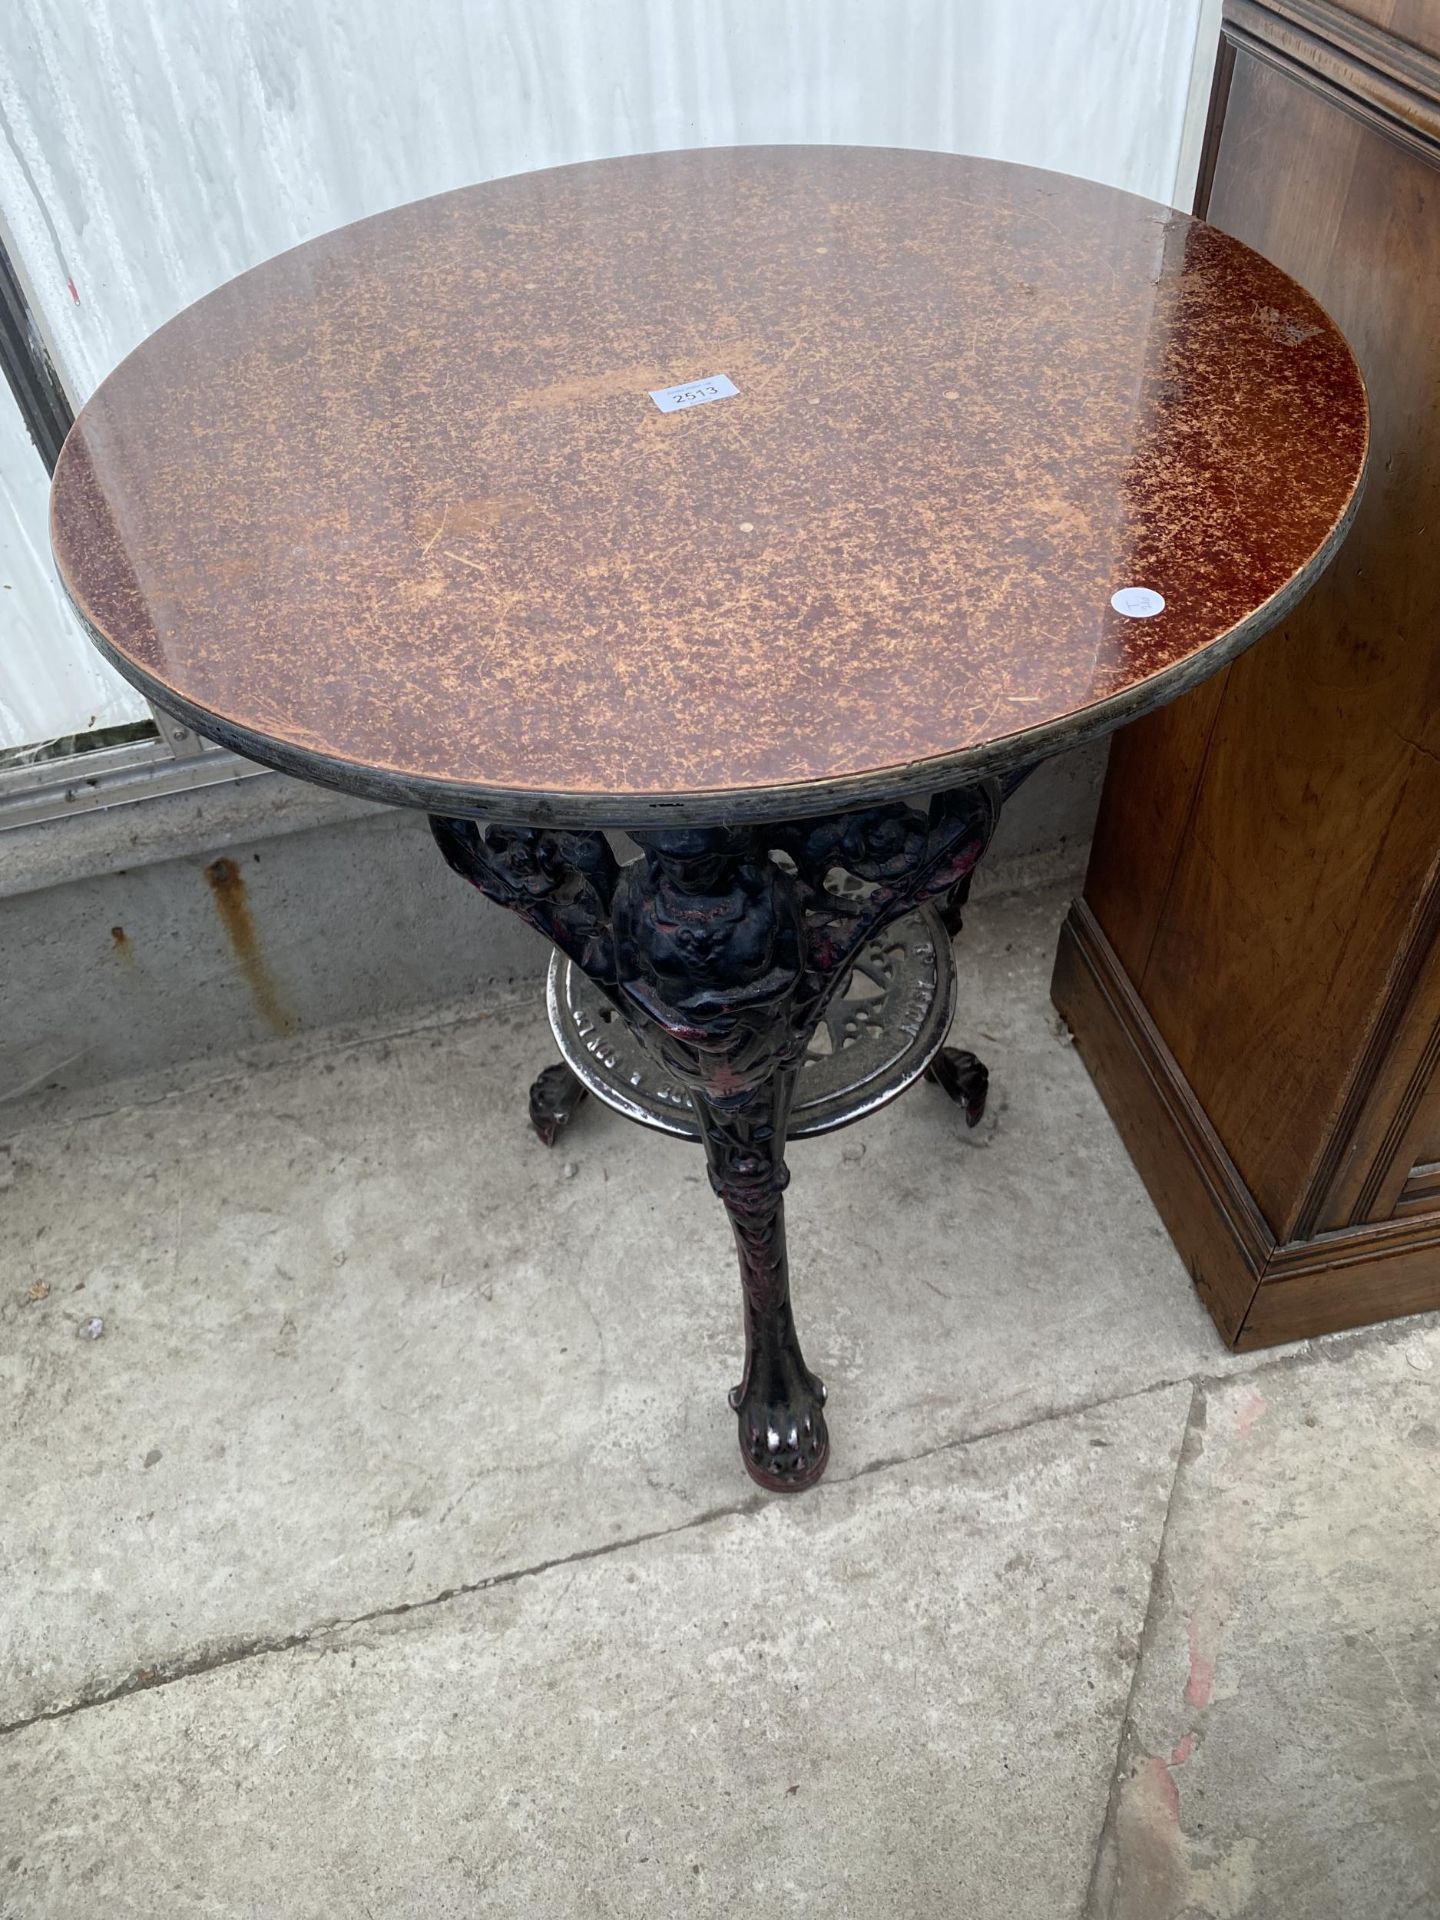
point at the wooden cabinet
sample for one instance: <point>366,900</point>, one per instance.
<point>1253,972</point>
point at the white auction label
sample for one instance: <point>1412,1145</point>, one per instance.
<point>694,393</point>
<point>1138,603</point>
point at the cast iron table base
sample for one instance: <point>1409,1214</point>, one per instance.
<point>722,949</point>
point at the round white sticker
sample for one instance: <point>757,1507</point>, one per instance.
<point>1138,603</point>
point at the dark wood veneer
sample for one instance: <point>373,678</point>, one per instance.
<point>396,509</point>
<point>1253,976</point>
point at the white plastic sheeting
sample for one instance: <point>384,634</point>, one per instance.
<point>150,149</point>
<point>52,681</point>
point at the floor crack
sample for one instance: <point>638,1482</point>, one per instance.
<point>230,1653</point>
<point>1098,1904</point>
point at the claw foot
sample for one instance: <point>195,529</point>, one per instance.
<point>964,1078</point>
<point>554,1098</point>
<point>783,1438</point>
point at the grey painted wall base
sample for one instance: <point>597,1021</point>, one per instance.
<point>192,926</point>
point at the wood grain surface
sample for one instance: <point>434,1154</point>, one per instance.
<point>396,509</point>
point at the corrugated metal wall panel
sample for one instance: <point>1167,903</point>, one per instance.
<point>149,149</point>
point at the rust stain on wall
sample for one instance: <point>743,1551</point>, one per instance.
<point>228,887</point>
<point>122,945</point>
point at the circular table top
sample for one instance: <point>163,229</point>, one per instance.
<point>397,510</point>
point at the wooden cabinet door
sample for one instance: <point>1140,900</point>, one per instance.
<point>1270,909</point>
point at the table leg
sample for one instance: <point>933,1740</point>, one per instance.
<point>783,1439</point>
<point>555,1095</point>
<point>961,1075</point>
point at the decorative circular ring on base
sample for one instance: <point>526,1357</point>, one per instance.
<point>882,1029</point>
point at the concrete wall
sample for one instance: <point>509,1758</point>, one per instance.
<point>187,927</point>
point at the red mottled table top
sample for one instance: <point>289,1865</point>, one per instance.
<point>397,511</point>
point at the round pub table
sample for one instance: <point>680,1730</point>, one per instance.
<point>782,506</point>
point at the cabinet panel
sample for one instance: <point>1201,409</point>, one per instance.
<point>1414,21</point>
<point>1253,976</point>
<point>1312,822</point>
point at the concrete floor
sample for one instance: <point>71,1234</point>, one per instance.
<point>373,1539</point>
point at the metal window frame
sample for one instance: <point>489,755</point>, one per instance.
<point>112,777</point>
<point>52,789</point>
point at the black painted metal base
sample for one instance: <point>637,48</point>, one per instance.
<point>721,950</point>
<point>881,1028</point>
<point>557,1093</point>
<point>964,1077</point>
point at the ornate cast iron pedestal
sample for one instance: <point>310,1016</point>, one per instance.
<point>732,985</point>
